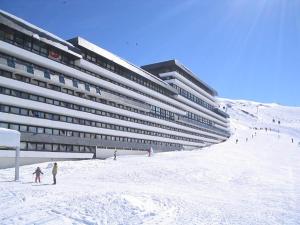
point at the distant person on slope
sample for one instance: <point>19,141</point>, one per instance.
<point>54,172</point>
<point>38,173</point>
<point>115,155</point>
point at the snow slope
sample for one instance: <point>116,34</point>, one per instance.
<point>253,182</point>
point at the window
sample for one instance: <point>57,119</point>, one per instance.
<point>27,43</point>
<point>55,117</point>
<point>36,47</point>
<point>31,146</point>
<point>40,147</point>
<point>69,148</point>
<point>19,39</point>
<point>23,145</point>
<point>30,68</point>
<point>75,83</point>
<point>14,110</point>
<point>55,102</point>
<point>32,129</point>
<point>87,87</point>
<point>3,125</point>
<point>14,126</point>
<point>4,108</point>
<point>48,116</point>
<point>75,148</point>
<point>33,97</point>
<point>24,112</point>
<point>48,147</point>
<point>62,148</point>
<point>75,133</point>
<point>15,93</point>
<point>63,118</point>
<point>23,128</point>
<point>48,131</point>
<point>61,79</point>
<point>49,101</point>
<point>44,50</point>
<point>55,147</point>
<point>47,74</point>
<point>41,99</point>
<point>40,130</point>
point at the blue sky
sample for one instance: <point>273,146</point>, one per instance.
<point>245,49</point>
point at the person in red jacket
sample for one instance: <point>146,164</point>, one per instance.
<point>38,173</point>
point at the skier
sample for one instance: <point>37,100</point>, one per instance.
<point>115,155</point>
<point>236,141</point>
<point>292,140</point>
<point>38,173</point>
<point>246,139</point>
<point>54,172</point>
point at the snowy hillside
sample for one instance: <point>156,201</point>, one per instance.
<point>254,181</point>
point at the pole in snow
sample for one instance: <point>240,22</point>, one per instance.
<point>17,164</point>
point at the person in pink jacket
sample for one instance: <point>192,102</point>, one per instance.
<point>38,173</point>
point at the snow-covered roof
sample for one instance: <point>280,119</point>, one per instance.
<point>9,138</point>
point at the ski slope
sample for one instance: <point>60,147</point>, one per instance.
<point>251,182</point>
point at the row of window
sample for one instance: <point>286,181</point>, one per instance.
<point>200,119</point>
<point>70,133</point>
<point>75,120</point>
<point>87,87</point>
<point>179,70</point>
<point>21,40</point>
<point>63,79</point>
<point>103,101</point>
<point>114,67</point>
<point>192,97</point>
<point>32,44</point>
<point>25,95</point>
<point>50,147</point>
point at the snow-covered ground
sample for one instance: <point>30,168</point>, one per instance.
<point>251,182</point>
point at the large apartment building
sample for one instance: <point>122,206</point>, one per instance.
<point>73,99</point>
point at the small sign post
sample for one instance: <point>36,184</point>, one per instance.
<point>17,163</point>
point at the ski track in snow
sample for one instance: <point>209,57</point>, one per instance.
<point>253,182</point>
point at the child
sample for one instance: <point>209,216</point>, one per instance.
<point>38,173</point>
